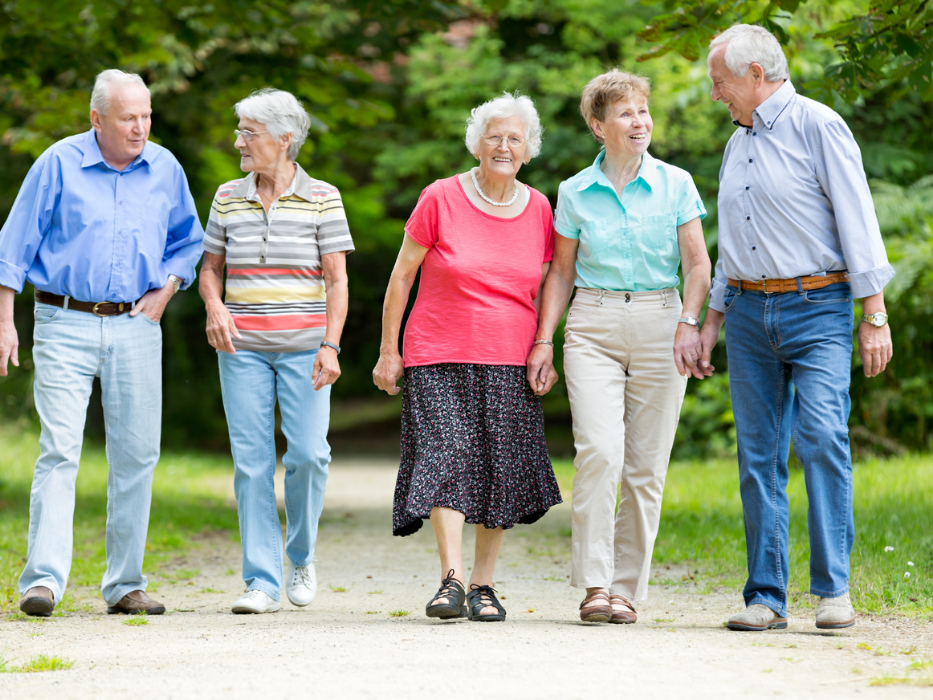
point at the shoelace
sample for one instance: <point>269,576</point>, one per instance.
<point>444,591</point>
<point>253,594</point>
<point>485,594</point>
<point>301,573</point>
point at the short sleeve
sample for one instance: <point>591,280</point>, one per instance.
<point>689,206</point>
<point>333,231</point>
<point>423,226</point>
<point>215,234</point>
<point>565,224</point>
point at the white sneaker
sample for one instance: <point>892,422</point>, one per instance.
<point>255,601</point>
<point>301,585</point>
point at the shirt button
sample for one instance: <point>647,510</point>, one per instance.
<point>754,133</point>
<point>751,160</point>
<point>754,247</point>
<point>748,218</point>
<point>746,186</point>
<point>762,277</point>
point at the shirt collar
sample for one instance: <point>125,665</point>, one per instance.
<point>93,156</point>
<point>647,172</point>
<point>301,186</point>
<point>769,110</point>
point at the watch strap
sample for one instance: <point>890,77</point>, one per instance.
<point>689,320</point>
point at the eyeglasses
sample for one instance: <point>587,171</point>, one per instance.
<point>496,139</point>
<point>247,134</point>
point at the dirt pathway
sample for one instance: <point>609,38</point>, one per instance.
<point>347,645</point>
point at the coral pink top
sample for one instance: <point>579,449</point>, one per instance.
<point>479,278</point>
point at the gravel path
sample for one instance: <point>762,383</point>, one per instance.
<point>347,645</point>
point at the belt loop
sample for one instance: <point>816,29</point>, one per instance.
<point>132,305</point>
<point>799,285</point>
<point>65,305</point>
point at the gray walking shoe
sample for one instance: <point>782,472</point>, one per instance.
<point>835,613</point>
<point>757,618</point>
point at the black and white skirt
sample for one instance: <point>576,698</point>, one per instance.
<point>472,441</point>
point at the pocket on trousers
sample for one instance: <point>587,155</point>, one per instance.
<point>831,294</point>
<point>728,298</point>
<point>45,313</point>
<point>151,322</point>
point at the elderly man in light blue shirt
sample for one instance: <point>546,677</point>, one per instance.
<point>105,229</point>
<point>798,241</point>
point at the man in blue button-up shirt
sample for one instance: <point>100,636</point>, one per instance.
<point>798,240</point>
<point>105,229</point>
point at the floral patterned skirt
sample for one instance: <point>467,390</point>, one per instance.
<point>472,441</point>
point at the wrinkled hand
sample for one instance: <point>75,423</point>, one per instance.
<point>153,303</point>
<point>387,372</point>
<point>326,368</point>
<point>875,348</point>
<point>220,327</point>
<point>9,346</point>
<point>709,336</point>
<point>540,370</point>
<point>688,351</point>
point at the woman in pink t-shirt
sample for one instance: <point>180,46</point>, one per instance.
<point>473,446</point>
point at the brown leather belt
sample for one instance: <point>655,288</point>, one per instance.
<point>791,285</point>
<point>101,308</point>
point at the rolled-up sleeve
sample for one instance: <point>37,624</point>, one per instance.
<point>27,223</point>
<point>842,178</point>
<point>183,243</point>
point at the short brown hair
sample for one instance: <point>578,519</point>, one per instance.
<point>605,90</point>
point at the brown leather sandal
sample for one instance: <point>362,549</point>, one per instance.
<point>596,613</point>
<point>622,617</point>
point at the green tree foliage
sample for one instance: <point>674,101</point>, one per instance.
<point>389,85</point>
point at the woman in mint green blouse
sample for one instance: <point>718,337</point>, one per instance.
<point>625,224</point>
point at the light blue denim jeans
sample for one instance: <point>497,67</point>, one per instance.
<point>790,359</point>
<point>251,383</point>
<point>70,348</point>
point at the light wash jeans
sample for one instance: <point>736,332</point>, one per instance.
<point>70,348</point>
<point>790,359</point>
<point>251,382</point>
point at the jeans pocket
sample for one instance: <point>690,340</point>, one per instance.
<point>151,322</point>
<point>839,293</point>
<point>728,298</point>
<point>44,313</point>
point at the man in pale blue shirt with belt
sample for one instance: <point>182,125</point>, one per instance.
<point>798,241</point>
<point>106,230</point>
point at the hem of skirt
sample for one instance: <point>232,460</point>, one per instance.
<point>412,526</point>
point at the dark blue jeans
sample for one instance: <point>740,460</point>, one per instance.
<point>790,358</point>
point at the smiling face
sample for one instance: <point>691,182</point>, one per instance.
<point>505,160</point>
<point>740,95</point>
<point>626,130</point>
<point>123,131</point>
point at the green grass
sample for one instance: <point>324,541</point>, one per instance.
<point>338,589</point>
<point>136,621</point>
<point>186,502</point>
<point>399,613</point>
<point>701,527</point>
<point>37,664</point>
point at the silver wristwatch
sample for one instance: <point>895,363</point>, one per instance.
<point>877,320</point>
<point>689,320</point>
<point>176,283</point>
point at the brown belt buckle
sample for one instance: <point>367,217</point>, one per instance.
<point>100,315</point>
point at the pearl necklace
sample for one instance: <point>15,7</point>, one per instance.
<point>492,202</point>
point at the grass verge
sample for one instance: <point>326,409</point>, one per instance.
<point>186,502</point>
<point>892,561</point>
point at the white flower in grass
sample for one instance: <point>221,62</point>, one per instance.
<point>906,574</point>
<point>889,548</point>
<point>910,563</point>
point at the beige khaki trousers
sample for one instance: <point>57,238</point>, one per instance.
<point>625,397</point>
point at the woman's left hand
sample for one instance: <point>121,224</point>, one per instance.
<point>688,350</point>
<point>326,367</point>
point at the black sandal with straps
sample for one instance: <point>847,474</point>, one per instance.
<point>481,597</point>
<point>452,590</point>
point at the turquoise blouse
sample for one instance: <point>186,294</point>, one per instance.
<point>627,243</point>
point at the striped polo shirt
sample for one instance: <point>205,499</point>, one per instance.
<point>275,282</point>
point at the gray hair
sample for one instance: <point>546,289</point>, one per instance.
<point>280,112</point>
<point>748,44</point>
<point>502,107</point>
<point>104,84</point>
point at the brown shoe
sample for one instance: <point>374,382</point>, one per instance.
<point>38,601</point>
<point>136,602</point>
<point>595,607</point>
<point>622,617</point>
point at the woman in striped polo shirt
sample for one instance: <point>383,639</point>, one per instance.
<point>283,237</point>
